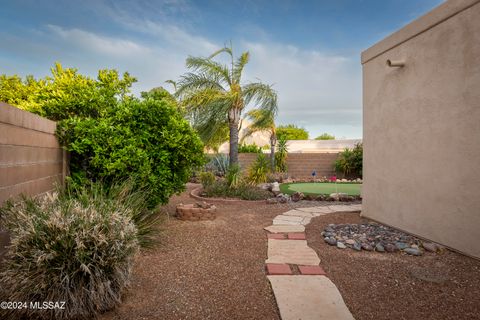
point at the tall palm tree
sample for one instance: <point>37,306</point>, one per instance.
<point>216,96</point>
<point>263,120</point>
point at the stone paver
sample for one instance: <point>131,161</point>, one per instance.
<point>296,236</point>
<point>292,252</point>
<point>308,297</point>
<point>311,270</point>
<point>276,236</point>
<point>345,208</point>
<point>316,210</point>
<point>285,228</point>
<point>298,213</point>
<point>278,269</point>
<point>288,218</point>
<point>283,222</point>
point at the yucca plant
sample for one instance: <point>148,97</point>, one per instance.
<point>73,250</point>
<point>281,156</point>
<point>259,170</point>
<point>234,176</point>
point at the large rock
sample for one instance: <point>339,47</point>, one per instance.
<point>275,188</point>
<point>338,196</point>
<point>297,196</point>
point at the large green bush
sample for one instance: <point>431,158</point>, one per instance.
<point>259,170</point>
<point>67,249</point>
<point>147,140</point>
<point>291,132</point>
<point>66,93</point>
<point>350,162</point>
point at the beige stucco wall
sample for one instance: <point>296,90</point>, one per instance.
<point>422,128</point>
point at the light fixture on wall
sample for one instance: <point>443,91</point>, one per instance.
<point>395,63</point>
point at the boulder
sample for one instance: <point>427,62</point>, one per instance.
<point>297,196</point>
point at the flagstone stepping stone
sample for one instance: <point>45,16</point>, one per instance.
<point>298,213</point>
<point>288,218</point>
<point>344,208</point>
<point>316,210</point>
<point>285,228</point>
<point>291,252</point>
<point>308,297</point>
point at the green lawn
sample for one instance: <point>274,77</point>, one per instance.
<point>316,188</point>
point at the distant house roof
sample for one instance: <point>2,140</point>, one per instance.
<point>314,146</point>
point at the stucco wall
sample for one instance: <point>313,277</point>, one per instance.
<point>422,128</point>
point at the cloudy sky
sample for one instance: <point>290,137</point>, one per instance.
<point>309,50</point>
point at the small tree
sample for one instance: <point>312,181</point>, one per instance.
<point>215,96</point>
<point>325,136</point>
<point>291,132</point>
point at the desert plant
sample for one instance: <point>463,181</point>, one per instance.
<point>259,170</point>
<point>218,164</point>
<point>126,195</point>
<point>281,156</point>
<point>69,251</point>
<point>350,161</point>
<point>207,178</point>
<point>242,191</point>
<point>234,176</point>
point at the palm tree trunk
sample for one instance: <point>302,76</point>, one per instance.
<point>273,142</point>
<point>233,119</point>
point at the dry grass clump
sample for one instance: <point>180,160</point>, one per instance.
<point>79,250</point>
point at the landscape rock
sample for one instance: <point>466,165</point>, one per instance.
<point>331,241</point>
<point>413,251</point>
<point>401,245</point>
<point>341,245</point>
<point>275,187</point>
<point>379,248</point>
<point>297,196</point>
<point>430,246</point>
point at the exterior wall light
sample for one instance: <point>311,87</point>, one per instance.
<point>395,63</point>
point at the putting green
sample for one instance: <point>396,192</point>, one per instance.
<point>315,188</point>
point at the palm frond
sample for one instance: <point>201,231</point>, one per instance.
<point>191,82</point>
<point>209,67</point>
<point>262,95</point>
<point>239,65</point>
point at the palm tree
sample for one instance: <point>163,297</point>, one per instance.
<point>215,96</point>
<point>263,120</point>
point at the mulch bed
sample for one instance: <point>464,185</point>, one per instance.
<point>205,269</point>
<point>395,285</point>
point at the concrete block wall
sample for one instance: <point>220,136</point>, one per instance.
<point>31,160</point>
<point>300,165</point>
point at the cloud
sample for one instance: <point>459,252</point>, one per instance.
<point>89,41</point>
<point>319,91</point>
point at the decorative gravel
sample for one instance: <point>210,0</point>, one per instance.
<point>205,269</point>
<point>396,285</point>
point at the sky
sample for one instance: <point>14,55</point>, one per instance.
<point>309,50</point>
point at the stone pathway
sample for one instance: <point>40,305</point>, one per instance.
<point>310,294</point>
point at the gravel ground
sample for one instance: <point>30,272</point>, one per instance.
<point>205,269</point>
<point>397,286</point>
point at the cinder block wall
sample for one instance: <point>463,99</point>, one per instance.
<point>300,165</point>
<point>422,127</point>
<point>31,160</point>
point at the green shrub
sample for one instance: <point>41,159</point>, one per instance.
<point>147,140</point>
<point>67,250</point>
<point>220,189</point>
<point>259,170</point>
<point>249,148</point>
<point>350,162</point>
<point>281,156</point>
<point>207,178</point>
<point>234,176</point>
